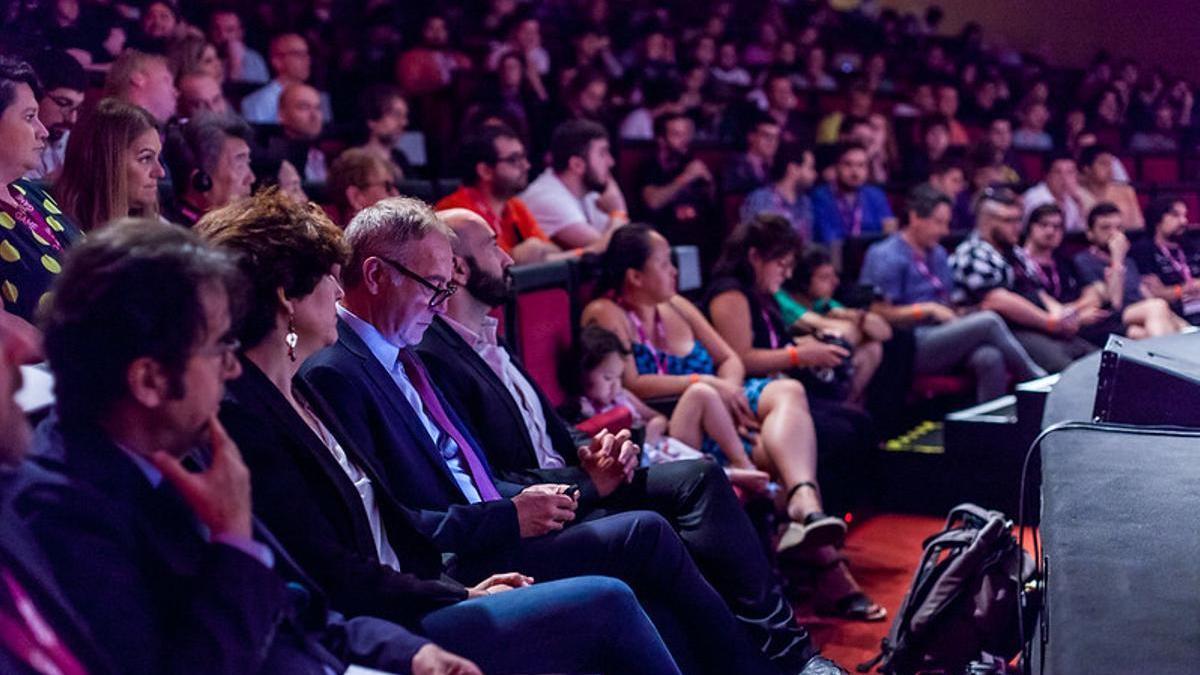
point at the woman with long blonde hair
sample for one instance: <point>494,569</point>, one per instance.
<point>112,167</point>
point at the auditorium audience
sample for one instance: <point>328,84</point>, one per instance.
<point>638,290</point>
<point>397,281</point>
<point>63,83</point>
<point>34,232</point>
<point>300,124</point>
<point>848,206</point>
<point>1168,259</point>
<point>164,563</point>
<point>806,298</point>
<point>44,634</point>
<point>476,371</point>
<point>209,161</point>
<point>792,174</point>
<point>478,458</point>
<point>751,169</point>
<point>291,62</point>
<point>678,190</point>
<point>1107,267</point>
<point>325,501</point>
<point>144,80</point>
<point>241,62</point>
<point>358,179</point>
<point>911,271</point>
<point>1060,187</point>
<point>1098,185</point>
<point>576,201</point>
<point>494,169</point>
<point>112,169</point>
<point>200,93</point>
<point>385,115</point>
<point>995,273</point>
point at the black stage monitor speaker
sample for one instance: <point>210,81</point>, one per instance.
<point>1141,385</point>
<point>1121,545</point>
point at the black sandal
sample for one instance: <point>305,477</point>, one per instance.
<point>816,530</point>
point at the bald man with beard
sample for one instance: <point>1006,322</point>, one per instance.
<point>301,120</point>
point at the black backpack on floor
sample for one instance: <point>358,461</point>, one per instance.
<point>963,602</point>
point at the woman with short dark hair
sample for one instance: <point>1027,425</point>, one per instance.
<point>34,233</point>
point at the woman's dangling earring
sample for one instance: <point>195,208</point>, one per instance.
<point>291,338</point>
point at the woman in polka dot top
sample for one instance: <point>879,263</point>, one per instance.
<point>34,233</point>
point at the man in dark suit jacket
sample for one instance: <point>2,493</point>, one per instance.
<point>48,629</point>
<point>165,563</point>
<point>395,283</point>
<point>522,435</point>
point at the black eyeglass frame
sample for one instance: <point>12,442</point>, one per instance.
<point>440,293</point>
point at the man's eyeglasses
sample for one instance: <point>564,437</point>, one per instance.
<point>516,159</point>
<point>227,348</point>
<point>67,105</point>
<point>440,293</point>
<point>388,186</point>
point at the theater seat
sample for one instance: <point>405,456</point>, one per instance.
<point>928,387</point>
<point>539,325</point>
<point>1159,169</point>
<point>1031,165</point>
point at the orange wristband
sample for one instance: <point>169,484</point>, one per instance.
<point>577,252</point>
<point>613,215</point>
<point>1051,325</point>
<point>1179,291</point>
<point>693,378</point>
<point>917,313</point>
<point>794,355</point>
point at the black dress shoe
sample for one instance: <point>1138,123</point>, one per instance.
<point>819,665</point>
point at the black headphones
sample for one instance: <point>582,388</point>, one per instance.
<point>201,181</point>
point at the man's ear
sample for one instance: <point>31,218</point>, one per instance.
<point>354,197</point>
<point>372,275</point>
<point>577,165</point>
<point>148,382</point>
<point>461,271</point>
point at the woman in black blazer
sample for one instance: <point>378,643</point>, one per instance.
<point>325,502</point>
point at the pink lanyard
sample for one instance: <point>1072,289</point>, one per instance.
<point>34,641</point>
<point>1179,263</point>
<point>852,214</point>
<point>26,214</point>
<point>660,334</point>
<point>771,334</point>
<point>923,268</point>
<point>1051,281</point>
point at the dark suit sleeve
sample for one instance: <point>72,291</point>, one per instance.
<point>222,624</point>
<point>461,528</point>
<point>284,499</point>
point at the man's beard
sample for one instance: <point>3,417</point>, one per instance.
<point>592,182</point>
<point>507,189</point>
<point>491,290</point>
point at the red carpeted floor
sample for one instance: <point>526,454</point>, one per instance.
<point>883,553</point>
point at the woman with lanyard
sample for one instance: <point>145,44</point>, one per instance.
<point>674,346</point>
<point>1170,265</point>
<point>34,233</point>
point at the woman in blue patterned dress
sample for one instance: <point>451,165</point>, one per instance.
<point>675,347</point>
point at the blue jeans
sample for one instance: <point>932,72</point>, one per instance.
<point>586,624</point>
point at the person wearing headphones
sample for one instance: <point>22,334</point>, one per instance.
<point>209,161</point>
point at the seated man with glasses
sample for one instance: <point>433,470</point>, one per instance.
<point>358,179</point>
<point>494,168</point>
<point>375,385</point>
<point>911,273</point>
<point>995,273</point>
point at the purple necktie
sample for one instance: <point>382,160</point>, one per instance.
<point>420,381</point>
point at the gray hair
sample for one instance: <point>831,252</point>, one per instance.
<point>384,228</point>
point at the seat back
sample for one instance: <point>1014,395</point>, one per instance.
<point>538,322</point>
